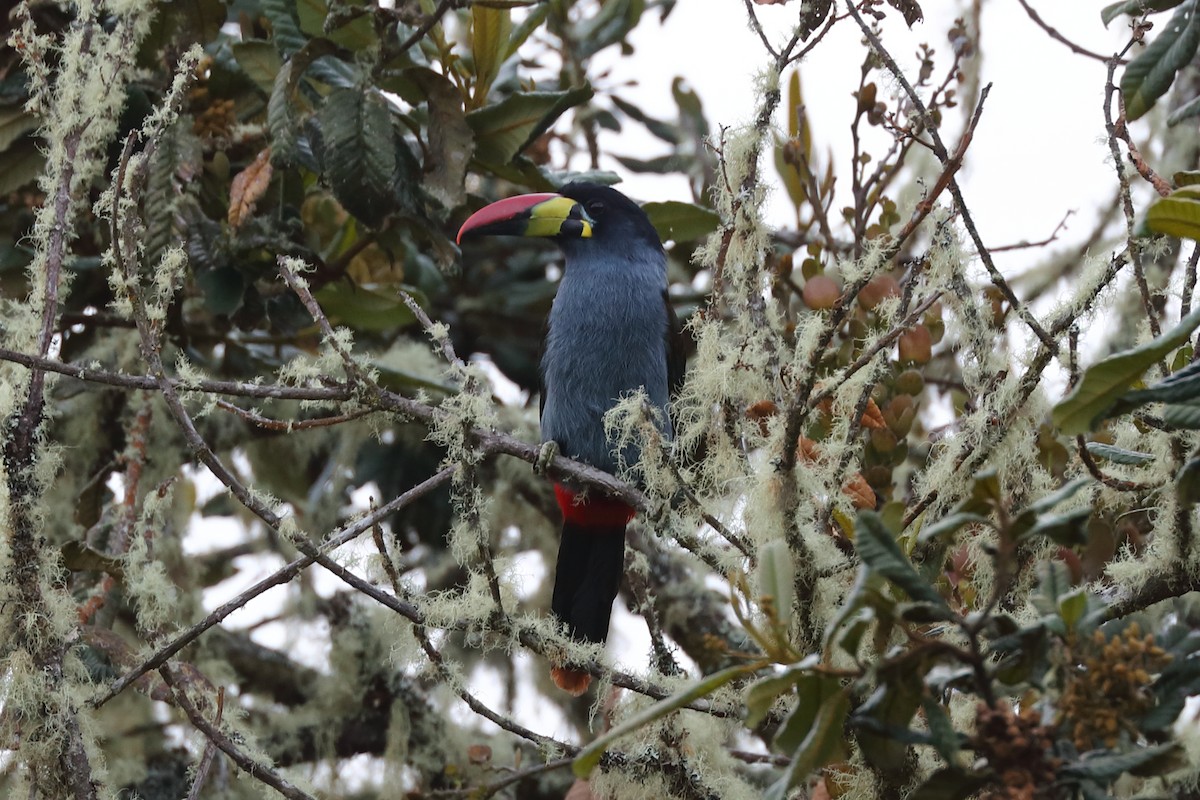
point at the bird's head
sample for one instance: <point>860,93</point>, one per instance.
<point>582,216</point>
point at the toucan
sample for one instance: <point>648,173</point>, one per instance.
<point>611,331</point>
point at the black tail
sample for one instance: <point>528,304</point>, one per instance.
<point>590,562</point>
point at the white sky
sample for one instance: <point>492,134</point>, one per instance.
<point>1039,149</point>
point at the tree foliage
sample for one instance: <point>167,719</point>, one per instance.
<point>248,371</point>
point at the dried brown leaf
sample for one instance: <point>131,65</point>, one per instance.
<point>247,187</point>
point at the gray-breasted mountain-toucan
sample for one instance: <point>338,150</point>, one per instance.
<point>611,331</point>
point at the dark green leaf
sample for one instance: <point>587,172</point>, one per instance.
<point>353,32</point>
<point>359,153</point>
<point>663,130</point>
<point>1067,529</point>
<point>812,15</point>
<point>1150,75</point>
<point>909,8</point>
<point>1110,766</point>
<point>259,60</point>
<point>941,730</point>
<point>947,526</point>
<point>763,693</point>
<point>1117,455</point>
<point>1105,381</point>
<point>1182,415</point>
<point>78,556</point>
<point>15,122</point>
<point>289,39</point>
<point>366,308</point>
<point>506,128</point>
<point>1187,482</point>
<point>681,222</point>
<point>884,717</point>
<point>1135,8</point>
<point>880,553</point>
<point>659,165</point>
<point>813,691</point>
<point>1178,387</point>
<point>1186,111</point>
<point>823,745</point>
<point>951,783</point>
<point>223,289</point>
<point>613,22</point>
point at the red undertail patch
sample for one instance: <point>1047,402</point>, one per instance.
<point>593,511</point>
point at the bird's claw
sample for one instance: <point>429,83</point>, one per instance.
<point>545,457</point>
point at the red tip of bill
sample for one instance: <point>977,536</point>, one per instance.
<point>502,210</point>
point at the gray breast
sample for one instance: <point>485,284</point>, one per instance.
<point>607,337</point>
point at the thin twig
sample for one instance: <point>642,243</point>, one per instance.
<point>1058,37</point>
<point>214,734</point>
<point>210,752</point>
<point>278,578</point>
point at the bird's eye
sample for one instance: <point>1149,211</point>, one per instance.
<point>595,208</point>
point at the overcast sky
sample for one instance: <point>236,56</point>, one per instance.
<point>1039,150</point>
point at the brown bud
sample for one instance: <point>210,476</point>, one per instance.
<point>877,290</point>
<point>821,292</point>
<point>916,346</point>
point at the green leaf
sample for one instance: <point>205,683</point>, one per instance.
<point>1186,178</point>
<point>355,33</point>
<point>359,153</point>
<point>1187,482</point>
<point>880,553</point>
<point>289,39</point>
<point>823,745</point>
<point>1067,529</point>
<point>812,15</point>
<point>951,783</point>
<point>490,32</point>
<point>223,289</point>
<point>1072,606</point>
<point>909,8</point>
<point>886,712</point>
<point>776,576</point>
<point>20,165</point>
<point>1186,111</point>
<point>1104,382</point>
<point>590,756</point>
<point>1182,415</point>
<point>1181,386</point>
<point>941,730</point>
<point>663,130</point>
<point>813,691</point>
<point>1109,766</point>
<point>762,694</point>
<point>1135,8</point>
<point>681,222</point>
<point>15,122</point>
<point>947,526</point>
<point>504,129</point>
<point>1150,75</point>
<point>525,28</point>
<point>78,556</point>
<point>259,60</point>
<point>366,308</point>
<point>1118,455</point>
<point>1177,214</point>
<point>611,24</point>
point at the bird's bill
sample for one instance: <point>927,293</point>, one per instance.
<point>542,214</point>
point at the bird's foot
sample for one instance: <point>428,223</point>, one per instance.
<point>546,454</point>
